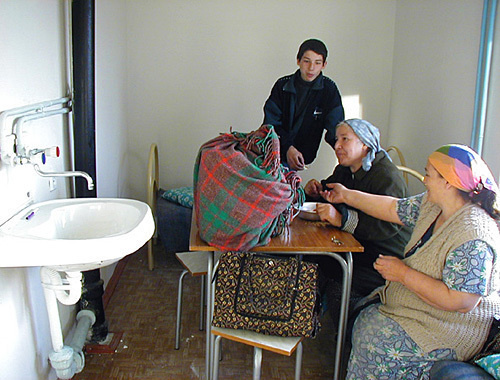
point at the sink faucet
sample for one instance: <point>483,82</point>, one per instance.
<point>90,182</point>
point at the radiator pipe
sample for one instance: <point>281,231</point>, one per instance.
<point>83,32</point>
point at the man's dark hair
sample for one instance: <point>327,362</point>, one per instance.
<point>315,45</point>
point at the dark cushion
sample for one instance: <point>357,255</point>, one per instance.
<point>173,223</point>
<point>454,370</point>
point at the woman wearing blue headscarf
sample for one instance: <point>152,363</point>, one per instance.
<point>362,165</point>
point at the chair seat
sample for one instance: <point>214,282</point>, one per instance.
<point>278,344</point>
<point>196,263</point>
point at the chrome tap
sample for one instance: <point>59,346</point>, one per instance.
<point>90,182</point>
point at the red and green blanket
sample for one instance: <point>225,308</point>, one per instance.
<point>242,194</point>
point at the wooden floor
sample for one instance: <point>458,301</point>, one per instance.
<point>143,307</point>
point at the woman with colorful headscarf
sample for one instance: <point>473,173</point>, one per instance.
<point>439,301</point>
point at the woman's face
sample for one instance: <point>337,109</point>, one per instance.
<point>349,148</point>
<point>434,183</point>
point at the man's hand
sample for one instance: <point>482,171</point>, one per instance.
<point>313,188</point>
<point>295,159</point>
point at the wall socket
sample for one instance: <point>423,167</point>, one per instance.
<point>52,184</point>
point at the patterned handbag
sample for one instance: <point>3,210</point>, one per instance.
<point>273,295</point>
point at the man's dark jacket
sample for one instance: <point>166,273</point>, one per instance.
<point>324,110</point>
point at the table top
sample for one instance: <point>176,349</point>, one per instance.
<point>300,236</point>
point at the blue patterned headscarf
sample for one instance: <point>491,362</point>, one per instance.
<point>370,136</point>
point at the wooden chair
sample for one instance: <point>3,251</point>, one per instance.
<point>152,189</point>
<point>281,345</point>
<point>414,173</point>
<point>196,264</point>
<point>403,167</point>
<point>402,160</point>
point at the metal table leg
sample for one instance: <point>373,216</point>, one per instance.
<point>208,289</point>
<point>347,268</point>
<point>346,264</point>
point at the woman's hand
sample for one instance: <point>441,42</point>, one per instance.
<point>430,290</point>
<point>313,188</point>
<point>329,214</point>
<point>381,207</point>
<point>336,194</point>
<point>391,268</point>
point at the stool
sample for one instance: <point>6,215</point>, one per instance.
<point>278,344</point>
<point>195,263</point>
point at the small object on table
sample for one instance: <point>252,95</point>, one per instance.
<point>336,241</point>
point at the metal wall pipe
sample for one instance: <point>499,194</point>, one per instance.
<point>83,37</point>
<point>483,74</point>
<point>18,124</point>
<point>83,25</point>
<point>8,137</point>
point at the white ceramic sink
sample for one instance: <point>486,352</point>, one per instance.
<point>75,234</point>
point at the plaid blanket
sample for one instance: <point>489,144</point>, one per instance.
<point>242,194</point>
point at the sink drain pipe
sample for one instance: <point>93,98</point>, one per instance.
<point>66,360</point>
<point>71,359</point>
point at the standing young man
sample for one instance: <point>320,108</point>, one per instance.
<point>302,105</point>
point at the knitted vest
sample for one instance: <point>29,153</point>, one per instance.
<point>432,328</point>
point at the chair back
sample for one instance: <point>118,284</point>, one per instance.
<point>407,170</point>
<point>152,192</point>
<point>402,160</point>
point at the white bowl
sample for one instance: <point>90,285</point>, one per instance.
<point>308,211</point>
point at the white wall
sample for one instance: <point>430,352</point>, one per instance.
<point>32,69</point>
<point>434,76</point>
<point>197,68</point>
<point>111,94</point>
<point>179,72</point>
<point>33,66</point>
<point>112,159</point>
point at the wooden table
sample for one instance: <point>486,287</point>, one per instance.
<point>301,237</point>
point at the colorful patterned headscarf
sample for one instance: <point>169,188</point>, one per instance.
<point>463,168</point>
<point>370,136</point>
